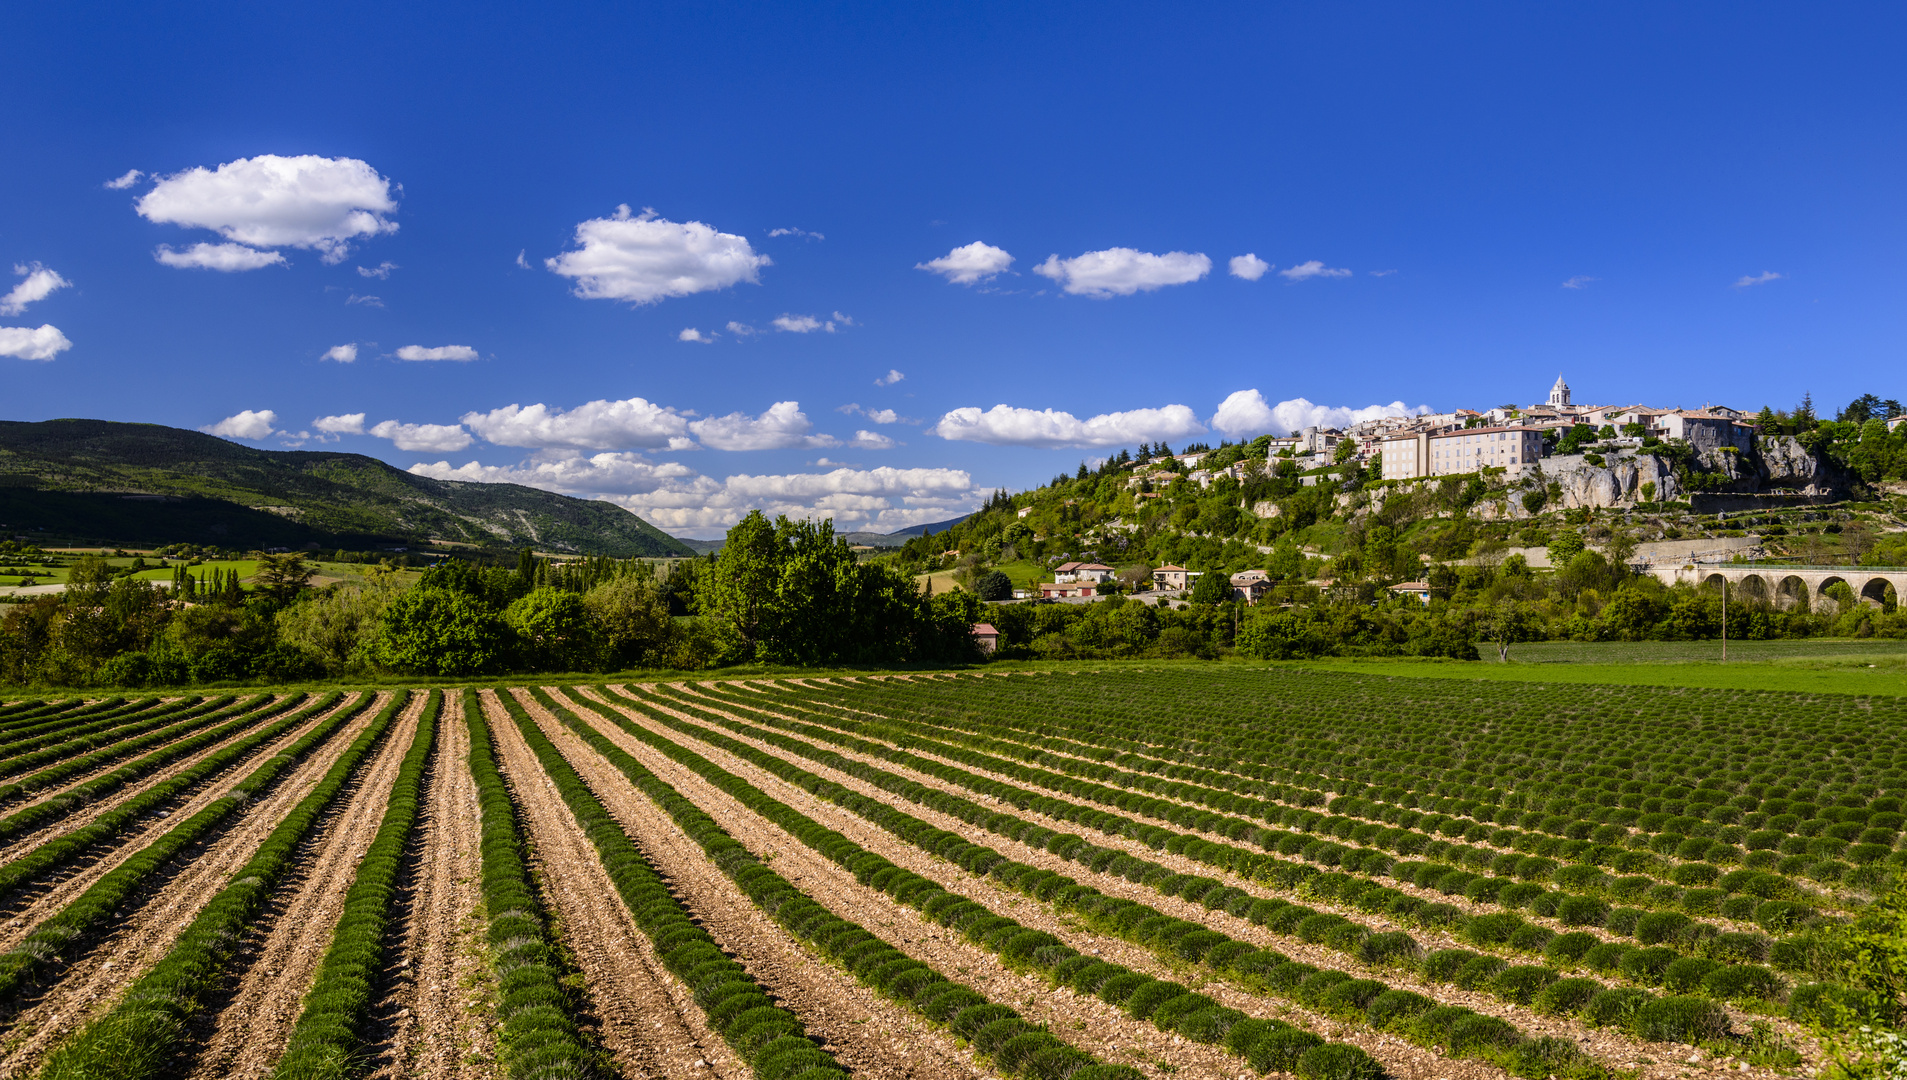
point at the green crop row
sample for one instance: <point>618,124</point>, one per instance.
<point>538,1037</point>
<point>329,1029</point>
<point>1697,1018</point>
<point>22,742</point>
<point>76,766</point>
<point>140,1035</point>
<point>76,709</point>
<point>60,807</point>
<point>1597,836</point>
<point>1710,761</point>
<point>770,1039</point>
<point>1502,931</point>
<point>1168,1005</point>
<point>32,711</point>
<point>97,906</point>
<point>1016,1046</point>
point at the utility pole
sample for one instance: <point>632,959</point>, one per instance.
<point>1724,620</point>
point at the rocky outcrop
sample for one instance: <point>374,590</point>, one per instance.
<point>1783,464</point>
<point>1615,483</point>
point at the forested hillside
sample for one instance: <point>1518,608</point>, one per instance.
<point>95,481</point>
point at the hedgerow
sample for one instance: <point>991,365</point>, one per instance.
<point>140,1035</point>
<point>329,1029</point>
<point>770,1039</point>
<point>70,927</point>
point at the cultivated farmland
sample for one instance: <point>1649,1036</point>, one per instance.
<point>1197,872</point>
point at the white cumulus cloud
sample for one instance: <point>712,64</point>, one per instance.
<point>342,424</point>
<point>30,343</point>
<point>124,180</point>
<point>685,502</point>
<point>432,438</point>
<point>381,271</point>
<point>1249,266</point>
<point>970,264</point>
<point>459,353</point>
<point>1762,278</point>
<point>39,283</point>
<point>797,324</point>
<point>1123,271</point>
<point>644,258</point>
<point>893,376</point>
<point>692,334</point>
<point>249,424</point>
<point>1246,413</point>
<point>782,425</point>
<point>271,201</point>
<point>596,425</point>
<point>1314,269</point>
<point>343,354</point>
<point>230,258</point>
<point>871,440</point>
<point>1004,425</point>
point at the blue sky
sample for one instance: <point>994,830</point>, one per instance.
<point>1447,205</point>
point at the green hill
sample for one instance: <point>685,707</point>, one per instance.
<point>95,481</point>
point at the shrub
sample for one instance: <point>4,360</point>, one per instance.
<point>1394,947</point>
<point>1349,999</point>
<point>1613,1008</point>
<point>1646,965</point>
<point>1478,973</point>
<point>1582,911</point>
<point>1742,982</point>
<point>1660,927</point>
<point>1686,974</point>
<point>1279,1050</point>
<point>1393,1009</point>
<point>1567,949</point>
<point>1116,990</point>
<point>1566,996</point>
<point>1522,983</point>
<point>1476,1034</point>
<point>1337,1061</point>
<point>1312,990</point>
<point>1149,997</point>
<point>1679,1019</point>
<point>1443,965</point>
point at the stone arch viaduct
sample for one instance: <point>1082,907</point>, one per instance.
<point>1787,587</point>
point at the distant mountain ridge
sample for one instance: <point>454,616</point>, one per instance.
<point>98,481</point>
<point>869,539</point>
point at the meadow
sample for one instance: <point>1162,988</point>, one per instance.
<point>1121,872</point>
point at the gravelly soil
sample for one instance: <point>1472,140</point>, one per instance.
<point>1651,1059</point>
<point>155,917</point>
<point>868,1034</point>
<point>645,1021</point>
<point>434,1017</point>
<point>243,1033</point>
<point>30,903</point>
<point>1087,1023</point>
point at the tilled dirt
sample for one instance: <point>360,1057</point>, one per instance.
<point>154,918</point>
<point>646,1021</point>
<point>243,1034</point>
<point>434,1016</point>
<point>26,841</point>
<point>1652,1059</point>
<point>1021,738</point>
<point>1431,940</point>
<point>1086,1023</point>
<point>868,1034</point>
<point>27,906</point>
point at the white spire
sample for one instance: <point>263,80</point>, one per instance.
<point>1559,394</point>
